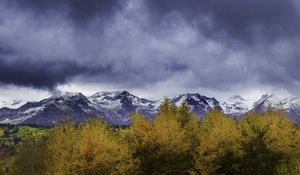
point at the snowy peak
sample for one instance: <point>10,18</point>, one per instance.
<point>108,95</point>
<point>121,97</point>
<point>198,103</point>
<point>116,107</point>
<point>235,105</point>
<point>111,100</point>
<point>67,101</point>
<point>119,106</point>
<point>276,100</point>
<point>125,94</point>
<point>51,110</point>
<point>236,98</point>
<point>71,97</point>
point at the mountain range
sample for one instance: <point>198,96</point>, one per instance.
<point>116,107</point>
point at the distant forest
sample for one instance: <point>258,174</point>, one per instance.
<point>176,142</point>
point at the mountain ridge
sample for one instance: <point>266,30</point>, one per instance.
<point>116,107</point>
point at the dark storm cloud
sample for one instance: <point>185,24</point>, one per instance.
<point>243,20</point>
<point>80,11</point>
<point>211,44</point>
<point>45,75</point>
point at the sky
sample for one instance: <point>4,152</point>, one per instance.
<point>152,48</point>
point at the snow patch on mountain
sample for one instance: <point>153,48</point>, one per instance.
<point>198,103</point>
<point>276,101</point>
<point>236,105</point>
<point>32,111</point>
<point>117,107</point>
<point>13,104</point>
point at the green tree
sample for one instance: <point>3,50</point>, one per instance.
<point>30,158</point>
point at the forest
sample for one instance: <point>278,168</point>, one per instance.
<point>176,142</point>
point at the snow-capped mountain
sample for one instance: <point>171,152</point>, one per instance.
<point>236,106</point>
<point>49,111</point>
<point>117,107</point>
<point>274,100</point>
<point>290,104</point>
<point>198,103</point>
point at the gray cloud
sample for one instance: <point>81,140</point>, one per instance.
<point>77,10</point>
<point>233,19</point>
<point>45,75</point>
<point>135,44</point>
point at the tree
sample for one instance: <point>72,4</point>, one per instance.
<point>61,153</point>
<point>219,149</point>
<point>30,158</point>
<point>270,142</point>
<point>101,152</point>
<point>91,148</point>
<point>162,147</point>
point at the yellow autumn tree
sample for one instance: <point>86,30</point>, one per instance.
<point>91,148</point>
<point>88,149</point>
<point>219,149</point>
<point>270,142</point>
<point>175,142</point>
<point>101,152</point>
<point>62,155</point>
<point>162,147</point>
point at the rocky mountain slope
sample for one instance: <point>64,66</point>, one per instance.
<point>117,107</point>
<point>236,106</point>
<point>198,103</point>
<point>291,105</point>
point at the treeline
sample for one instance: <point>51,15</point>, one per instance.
<point>174,143</point>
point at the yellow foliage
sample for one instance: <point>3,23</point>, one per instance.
<point>61,150</point>
<point>270,140</point>
<point>91,148</point>
<point>161,147</point>
<point>169,135</point>
<point>176,142</point>
<point>218,137</point>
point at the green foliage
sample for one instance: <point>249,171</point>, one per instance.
<point>1,132</point>
<point>10,135</point>
<point>176,142</point>
<point>31,158</point>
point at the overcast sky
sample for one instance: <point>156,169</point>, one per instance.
<point>153,48</point>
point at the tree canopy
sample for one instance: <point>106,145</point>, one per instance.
<point>176,142</point>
